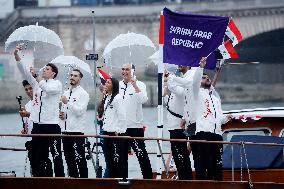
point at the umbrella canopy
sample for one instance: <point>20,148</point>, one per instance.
<point>66,64</point>
<point>129,48</point>
<point>44,43</point>
<point>172,68</point>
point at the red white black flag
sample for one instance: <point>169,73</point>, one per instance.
<point>103,75</point>
<point>227,50</point>
<point>233,33</point>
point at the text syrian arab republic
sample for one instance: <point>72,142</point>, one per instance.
<point>189,32</point>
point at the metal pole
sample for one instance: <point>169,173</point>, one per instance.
<point>160,102</point>
<point>233,163</point>
<point>95,94</point>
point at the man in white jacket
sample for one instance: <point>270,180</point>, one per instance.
<point>175,101</point>
<point>209,117</point>
<point>134,95</point>
<point>73,115</point>
<point>25,113</point>
<point>46,95</point>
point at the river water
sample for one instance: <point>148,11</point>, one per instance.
<point>16,160</point>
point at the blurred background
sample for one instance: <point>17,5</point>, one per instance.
<point>256,76</point>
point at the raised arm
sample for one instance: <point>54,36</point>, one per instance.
<point>51,87</point>
<point>23,69</point>
<point>216,76</point>
<point>141,94</point>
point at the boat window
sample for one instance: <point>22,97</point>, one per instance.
<point>281,133</point>
<point>228,134</point>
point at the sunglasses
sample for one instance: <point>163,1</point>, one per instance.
<point>126,69</point>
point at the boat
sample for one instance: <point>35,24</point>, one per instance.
<point>264,124</point>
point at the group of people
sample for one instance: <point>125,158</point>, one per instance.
<point>50,111</point>
<point>194,112</point>
<point>43,116</point>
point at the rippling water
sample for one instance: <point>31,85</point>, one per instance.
<point>15,161</point>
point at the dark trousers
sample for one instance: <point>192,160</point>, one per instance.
<point>116,155</point>
<point>140,150</point>
<point>41,146</point>
<point>74,152</point>
<point>207,157</point>
<point>31,154</point>
<point>181,155</point>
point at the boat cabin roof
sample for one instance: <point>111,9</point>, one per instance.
<point>262,112</point>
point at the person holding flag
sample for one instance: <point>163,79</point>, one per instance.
<point>208,115</point>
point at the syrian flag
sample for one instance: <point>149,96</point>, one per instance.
<point>103,76</point>
<point>227,51</point>
<point>233,33</point>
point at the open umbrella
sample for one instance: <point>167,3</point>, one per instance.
<point>172,68</point>
<point>129,48</point>
<point>44,43</point>
<point>66,64</point>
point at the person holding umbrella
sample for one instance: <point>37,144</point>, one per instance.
<point>134,95</point>
<point>46,95</point>
<point>73,114</point>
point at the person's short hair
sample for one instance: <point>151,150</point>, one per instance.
<point>25,83</point>
<point>53,68</point>
<point>77,70</point>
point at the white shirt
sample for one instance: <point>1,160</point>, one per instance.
<point>132,102</point>
<point>183,85</point>
<point>206,106</point>
<point>114,115</point>
<point>75,110</point>
<point>46,96</point>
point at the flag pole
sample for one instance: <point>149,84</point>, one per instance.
<point>97,168</point>
<point>160,101</point>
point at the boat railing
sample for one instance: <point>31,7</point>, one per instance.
<point>242,144</point>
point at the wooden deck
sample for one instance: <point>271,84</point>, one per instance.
<point>71,183</point>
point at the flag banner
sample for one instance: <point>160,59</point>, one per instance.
<point>233,33</point>
<point>188,37</point>
<point>227,50</point>
<point>103,76</point>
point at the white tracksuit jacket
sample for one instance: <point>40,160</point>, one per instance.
<point>114,115</point>
<point>75,110</point>
<point>46,96</point>
<point>207,107</point>
<point>183,84</point>
<point>132,102</point>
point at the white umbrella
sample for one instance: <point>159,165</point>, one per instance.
<point>66,64</point>
<point>44,43</point>
<point>129,48</point>
<point>172,68</point>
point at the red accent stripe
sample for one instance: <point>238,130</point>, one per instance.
<point>230,49</point>
<point>161,31</point>
<point>235,30</point>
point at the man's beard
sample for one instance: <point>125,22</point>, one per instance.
<point>206,85</point>
<point>72,82</point>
